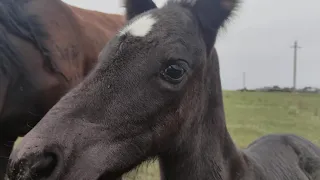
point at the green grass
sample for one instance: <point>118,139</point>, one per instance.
<point>253,114</point>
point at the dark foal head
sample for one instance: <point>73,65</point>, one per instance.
<point>152,83</point>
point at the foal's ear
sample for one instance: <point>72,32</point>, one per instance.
<point>136,7</point>
<point>211,15</point>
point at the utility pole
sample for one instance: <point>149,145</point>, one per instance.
<point>244,80</point>
<point>295,51</point>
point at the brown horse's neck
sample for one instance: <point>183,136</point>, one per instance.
<point>97,28</point>
<point>208,151</point>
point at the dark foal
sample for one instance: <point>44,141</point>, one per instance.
<point>156,91</point>
<point>46,48</point>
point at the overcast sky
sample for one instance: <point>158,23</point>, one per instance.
<point>258,40</point>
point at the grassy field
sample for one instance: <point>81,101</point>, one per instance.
<point>253,114</point>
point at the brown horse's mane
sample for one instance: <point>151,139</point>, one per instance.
<point>10,58</point>
<point>25,26</point>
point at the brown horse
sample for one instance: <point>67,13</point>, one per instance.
<point>46,48</point>
<point>156,91</point>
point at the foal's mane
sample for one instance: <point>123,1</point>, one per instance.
<point>25,26</point>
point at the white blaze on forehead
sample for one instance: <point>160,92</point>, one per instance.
<point>140,27</point>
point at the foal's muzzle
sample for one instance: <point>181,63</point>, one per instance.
<point>41,166</point>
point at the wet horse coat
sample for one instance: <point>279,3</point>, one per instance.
<point>157,92</point>
<point>46,48</point>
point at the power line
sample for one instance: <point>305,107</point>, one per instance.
<point>295,51</point>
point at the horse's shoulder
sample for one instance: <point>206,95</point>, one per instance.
<point>290,144</point>
<point>284,139</point>
<point>292,147</point>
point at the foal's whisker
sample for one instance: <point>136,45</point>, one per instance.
<point>29,125</point>
<point>4,157</point>
<point>34,114</point>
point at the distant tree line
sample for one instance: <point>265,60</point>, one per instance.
<point>276,88</point>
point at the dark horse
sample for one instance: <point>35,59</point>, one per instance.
<point>156,91</point>
<point>46,48</point>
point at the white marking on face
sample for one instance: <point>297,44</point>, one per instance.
<point>140,27</point>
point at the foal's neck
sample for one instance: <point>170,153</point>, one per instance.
<point>208,152</point>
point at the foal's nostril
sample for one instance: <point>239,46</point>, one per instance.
<point>43,166</point>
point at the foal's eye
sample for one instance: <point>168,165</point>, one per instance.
<point>174,72</point>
